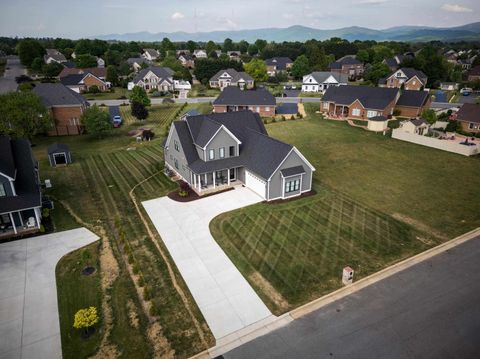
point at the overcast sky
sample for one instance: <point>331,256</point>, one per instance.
<point>85,18</point>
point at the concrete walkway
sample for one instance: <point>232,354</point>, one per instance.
<point>226,300</point>
<point>29,322</point>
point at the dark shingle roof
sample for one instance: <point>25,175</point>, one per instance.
<point>371,97</point>
<point>419,121</point>
<point>413,98</point>
<point>57,147</point>
<point>71,80</point>
<point>259,153</point>
<point>279,62</point>
<point>232,95</point>
<point>55,94</point>
<point>391,62</point>
<point>469,112</point>
<point>410,72</point>
<point>138,60</point>
<point>236,76</point>
<point>378,118</point>
<point>292,171</point>
<point>164,73</point>
<point>26,185</point>
<point>322,76</point>
<point>7,165</point>
<point>475,71</point>
<point>55,54</point>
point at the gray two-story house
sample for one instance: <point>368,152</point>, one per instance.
<point>20,196</point>
<point>219,150</point>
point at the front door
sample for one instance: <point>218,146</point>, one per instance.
<point>233,176</point>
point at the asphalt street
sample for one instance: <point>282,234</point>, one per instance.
<point>13,69</point>
<point>427,311</point>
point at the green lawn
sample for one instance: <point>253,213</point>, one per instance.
<point>117,94</point>
<point>376,195</point>
<point>203,91</point>
<point>96,186</point>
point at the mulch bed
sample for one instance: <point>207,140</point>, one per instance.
<point>303,195</point>
<point>192,195</point>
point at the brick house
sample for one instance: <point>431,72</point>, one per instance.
<point>278,64</point>
<point>66,107</point>
<point>469,117</point>
<point>408,78</point>
<point>412,103</point>
<point>83,82</point>
<point>348,65</point>
<point>474,74</point>
<point>186,60</point>
<point>359,102</point>
<point>233,99</point>
<point>100,72</point>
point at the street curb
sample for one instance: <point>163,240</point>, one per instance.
<point>221,348</point>
<point>384,273</point>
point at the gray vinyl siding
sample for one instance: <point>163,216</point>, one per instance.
<point>171,154</point>
<point>6,184</point>
<point>276,182</point>
<point>221,139</point>
<point>241,174</point>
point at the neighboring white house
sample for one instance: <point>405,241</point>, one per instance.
<point>154,78</point>
<point>54,55</point>
<point>320,81</point>
<point>449,86</point>
<point>150,54</point>
<point>100,61</point>
<point>181,85</point>
<point>200,54</point>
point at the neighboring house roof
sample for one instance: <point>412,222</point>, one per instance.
<point>55,94</point>
<point>233,95</point>
<point>412,98</point>
<point>292,171</point>
<point>100,72</point>
<point>475,71</point>
<point>152,52</point>
<point>187,57</point>
<point>76,79</point>
<point>378,118</point>
<point>164,73</point>
<point>259,153</point>
<point>279,62</point>
<point>322,76</point>
<point>69,64</point>
<point>234,74</point>
<point>346,60</point>
<point>57,147</point>
<point>469,112</point>
<point>370,97</point>
<point>419,122</point>
<point>26,185</point>
<point>7,164</point>
<point>137,60</point>
<point>409,73</point>
<point>55,55</point>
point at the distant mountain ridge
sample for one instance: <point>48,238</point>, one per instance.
<point>303,33</point>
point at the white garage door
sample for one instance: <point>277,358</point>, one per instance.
<point>255,183</point>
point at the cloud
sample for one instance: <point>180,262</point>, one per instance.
<point>177,16</point>
<point>288,16</point>
<point>371,2</point>
<point>455,8</point>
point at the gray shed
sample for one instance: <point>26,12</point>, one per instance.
<point>59,154</point>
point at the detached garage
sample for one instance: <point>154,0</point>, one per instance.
<point>59,155</point>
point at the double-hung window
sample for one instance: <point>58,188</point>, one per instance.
<point>292,186</point>
<point>356,112</point>
<point>176,163</point>
<point>175,144</point>
<point>221,152</point>
<point>211,154</point>
<point>371,114</point>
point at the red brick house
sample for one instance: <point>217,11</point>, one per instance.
<point>359,102</point>
<point>469,117</point>
<point>412,103</point>
<point>100,72</point>
<point>474,74</point>
<point>407,78</point>
<point>66,107</point>
<point>84,82</point>
<point>233,99</point>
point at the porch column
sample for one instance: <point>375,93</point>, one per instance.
<point>228,176</point>
<point>21,220</point>
<point>36,217</point>
<point>194,179</point>
<point>213,175</point>
<point>13,222</point>
<point>206,182</point>
<point>199,183</point>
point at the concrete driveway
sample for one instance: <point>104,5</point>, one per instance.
<point>223,295</point>
<point>29,323</point>
<point>13,69</point>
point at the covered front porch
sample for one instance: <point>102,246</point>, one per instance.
<point>17,223</point>
<point>338,111</point>
<point>215,181</point>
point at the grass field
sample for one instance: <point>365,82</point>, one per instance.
<point>118,93</point>
<point>96,187</point>
<point>376,195</point>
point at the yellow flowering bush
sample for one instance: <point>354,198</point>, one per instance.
<point>85,318</point>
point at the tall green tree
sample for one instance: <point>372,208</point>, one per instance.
<point>375,72</point>
<point>300,67</point>
<point>228,45</point>
<point>28,50</point>
<point>22,115</point>
<point>243,46</point>
<point>257,69</point>
<point>96,121</point>
<point>112,75</point>
<point>52,69</point>
<point>260,44</point>
<point>210,46</point>
<point>166,46</point>
<point>139,95</point>
<point>191,46</point>
<point>252,50</point>
<point>85,60</point>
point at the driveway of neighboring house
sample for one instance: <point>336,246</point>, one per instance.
<point>223,295</point>
<point>29,322</point>
<point>13,69</point>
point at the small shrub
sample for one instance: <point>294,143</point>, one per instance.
<point>182,193</point>
<point>42,228</point>
<point>283,118</point>
<point>135,269</point>
<point>156,94</point>
<point>45,213</point>
<point>274,120</point>
<point>141,281</point>
<point>292,117</point>
<point>94,89</point>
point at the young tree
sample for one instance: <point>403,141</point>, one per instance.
<point>112,75</point>
<point>257,69</point>
<point>139,110</point>
<point>37,64</point>
<point>85,60</point>
<point>96,121</point>
<point>22,115</point>
<point>429,115</point>
<point>85,319</point>
<point>139,95</point>
<point>28,50</point>
<point>375,72</point>
<point>300,67</point>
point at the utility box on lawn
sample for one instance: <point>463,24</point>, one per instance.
<point>347,277</point>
